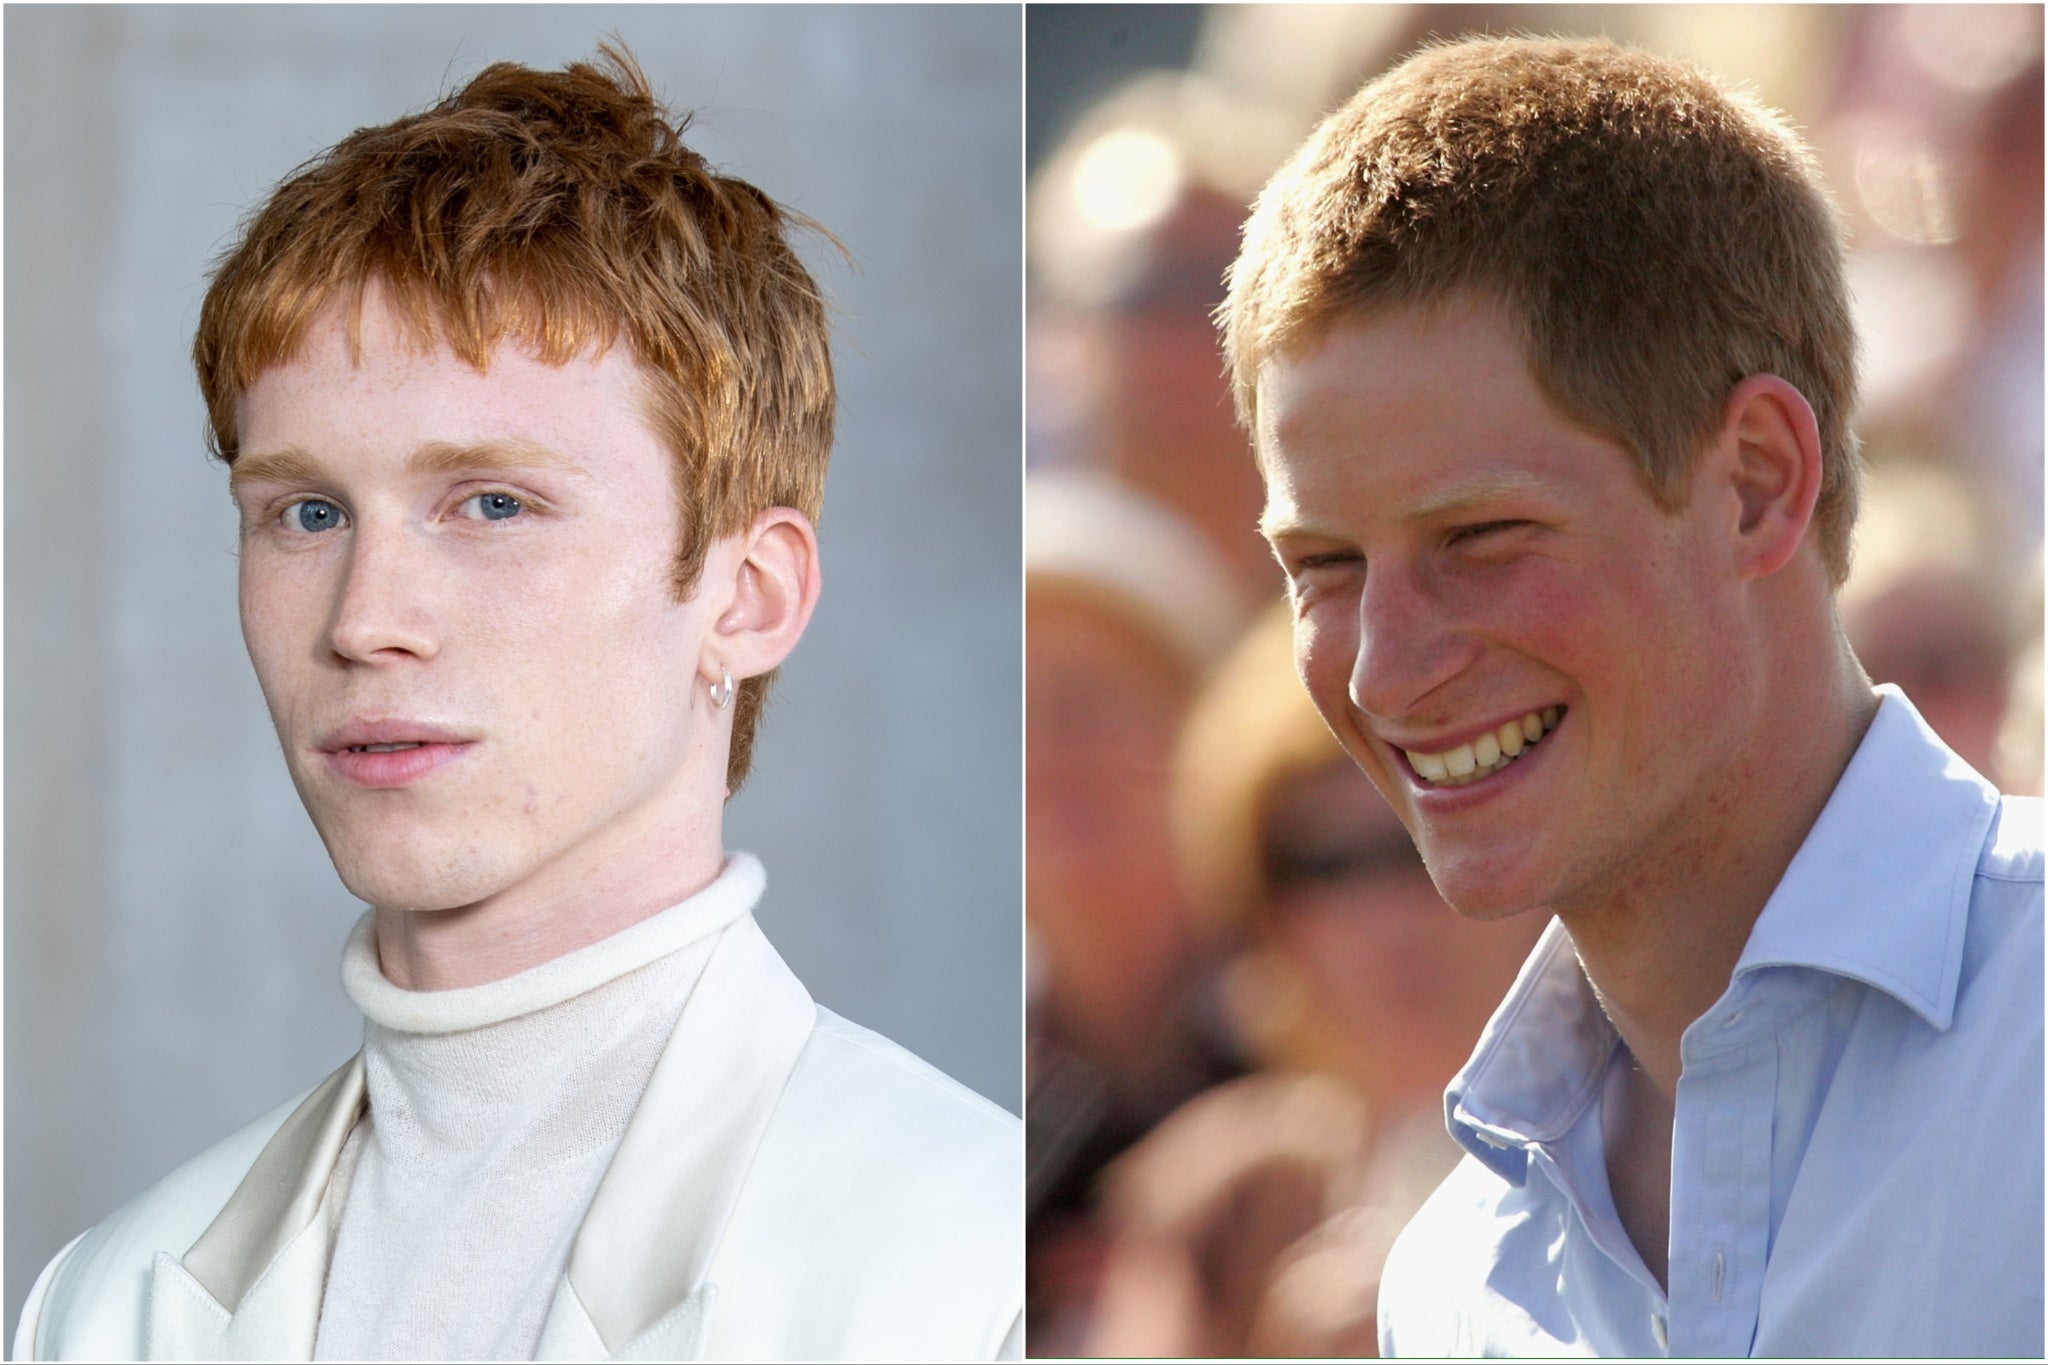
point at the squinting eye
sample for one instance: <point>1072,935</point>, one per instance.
<point>492,507</point>
<point>313,514</point>
<point>1331,560</point>
<point>1484,528</point>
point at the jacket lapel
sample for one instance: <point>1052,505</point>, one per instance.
<point>569,1333</point>
<point>637,1287</point>
<point>249,1288</point>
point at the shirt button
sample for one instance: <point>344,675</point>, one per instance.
<point>1659,1331</point>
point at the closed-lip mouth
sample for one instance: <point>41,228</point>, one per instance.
<point>356,734</point>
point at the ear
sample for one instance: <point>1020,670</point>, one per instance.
<point>1771,447</point>
<point>775,586</point>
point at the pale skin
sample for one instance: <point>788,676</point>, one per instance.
<point>1708,699</point>
<point>481,561</point>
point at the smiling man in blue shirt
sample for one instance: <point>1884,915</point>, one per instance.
<point>1547,357</point>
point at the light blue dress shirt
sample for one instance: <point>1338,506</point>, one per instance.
<point>1856,1161</point>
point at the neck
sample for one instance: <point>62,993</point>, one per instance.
<point>1661,948</point>
<point>616,878</point>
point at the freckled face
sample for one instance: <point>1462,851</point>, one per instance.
<point>1463,560</point>
<point>455,590</point>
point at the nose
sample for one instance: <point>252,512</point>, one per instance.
<point>1409,642</point>
<point>381,611</point>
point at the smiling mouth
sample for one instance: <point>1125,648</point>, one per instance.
<point>1486,755</point>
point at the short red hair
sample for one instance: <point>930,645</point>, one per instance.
<point>559,211</point>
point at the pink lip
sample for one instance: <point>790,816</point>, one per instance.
<point>435,748</point>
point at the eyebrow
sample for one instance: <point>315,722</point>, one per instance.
<point>1483,488</point>
<point>481,457</point>
<point>1274,528</point>
<point>1472,492</point>
<point>291,464</point>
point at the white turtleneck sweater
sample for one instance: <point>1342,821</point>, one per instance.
<point>493,1113</point>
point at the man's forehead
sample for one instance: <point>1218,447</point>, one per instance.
<point>1411,417</point>
<point>1329,493</point>
<point>432,407</point>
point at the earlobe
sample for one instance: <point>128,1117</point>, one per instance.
<point>1772,445</point>
<point>775,587</point>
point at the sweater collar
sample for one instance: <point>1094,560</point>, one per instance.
<point>732,894</point>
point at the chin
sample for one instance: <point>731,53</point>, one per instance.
<point>1487,909</point>
<point>1485,894</point>
<point>400,889</point>
<point>401,875</point>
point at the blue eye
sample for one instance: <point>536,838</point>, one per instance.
<point>493,507</point>
<point>313,514</point>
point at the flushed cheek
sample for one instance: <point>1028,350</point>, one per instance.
<point>1323,656</point>
<point>1324,660</point>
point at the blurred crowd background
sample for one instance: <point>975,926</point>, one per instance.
<point>1244,995</point>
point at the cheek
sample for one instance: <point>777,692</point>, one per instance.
<point>605,651</point>
<point>1593,628</point>
<point>1325,649</point>
<point>1325,654</point>
<point>581,601</point>
<point>1542,605</point>
<point>283,609</point>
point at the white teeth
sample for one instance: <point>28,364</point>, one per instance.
<point>383,748</point>
<point>1486,755</point>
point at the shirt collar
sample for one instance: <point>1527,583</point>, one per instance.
<point>1879,891</point>
<point>1539,1061</point>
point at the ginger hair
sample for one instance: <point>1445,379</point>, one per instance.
<point>561,212</point>
<point>1654,236</point>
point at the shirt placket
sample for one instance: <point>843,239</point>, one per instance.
<point>1721,1191</point>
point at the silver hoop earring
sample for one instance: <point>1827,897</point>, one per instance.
<point>721,691</point>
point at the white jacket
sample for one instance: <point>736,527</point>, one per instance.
<point>792,1186</point>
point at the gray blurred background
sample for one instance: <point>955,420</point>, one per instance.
<point>173,927</point>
